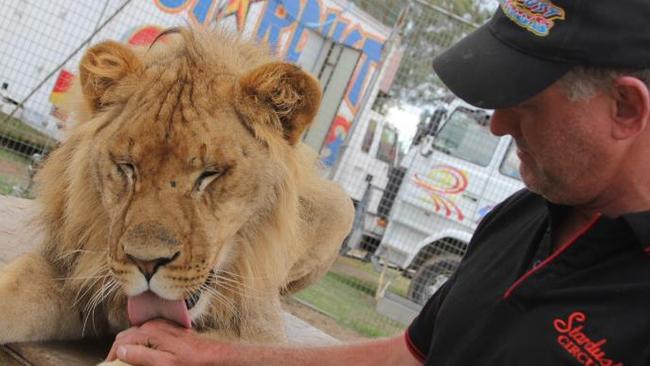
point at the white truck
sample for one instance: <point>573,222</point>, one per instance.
<point>363,172</point>
<point>443,187</point>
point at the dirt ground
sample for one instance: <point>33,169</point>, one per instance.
<point>320,321</point>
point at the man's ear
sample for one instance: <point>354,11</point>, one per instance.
<point>631,107</point>
<point>101,67</point>
<point>278,95</point>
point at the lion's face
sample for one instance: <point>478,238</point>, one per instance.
<point>183,160</point>
<point>176,201</point>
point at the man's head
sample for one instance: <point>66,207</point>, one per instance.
<point>580,138</point>
<point>568,81</point>
<point>529,44</point>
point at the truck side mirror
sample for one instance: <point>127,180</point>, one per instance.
<point>426,147</point>
<point>435,120</point>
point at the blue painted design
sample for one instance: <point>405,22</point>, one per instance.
<point>352,38</point>
<point>271,25</point>
<point>329,20</point>
<point>310,17</point>
<point>372,48</point>
<point>339,28</point>
<point>201,10</point>
<point>172,4</point>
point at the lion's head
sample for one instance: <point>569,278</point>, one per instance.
<point>181,172</point>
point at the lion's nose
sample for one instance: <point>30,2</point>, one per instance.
<point>149,267</point>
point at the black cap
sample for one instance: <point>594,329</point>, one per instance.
<point>529,44</point>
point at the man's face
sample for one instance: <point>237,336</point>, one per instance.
<point>565,147</point>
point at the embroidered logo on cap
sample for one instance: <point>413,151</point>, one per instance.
<point>536,16</point>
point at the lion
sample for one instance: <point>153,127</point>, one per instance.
<point>183,191</point>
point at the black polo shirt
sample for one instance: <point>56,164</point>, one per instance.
<point>588,303</point>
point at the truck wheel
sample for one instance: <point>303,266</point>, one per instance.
<point>430,277</point>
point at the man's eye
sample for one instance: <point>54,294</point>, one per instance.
<point>207,177</point>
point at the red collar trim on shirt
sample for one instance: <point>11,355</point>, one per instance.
<point>413,349</point>
<point>564,247</point>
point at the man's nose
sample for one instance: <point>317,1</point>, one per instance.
<point>503,122</point>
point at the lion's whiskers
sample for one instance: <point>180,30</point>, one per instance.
<point>237,279</point>
<point>88,285</point>
<point>107,288</point>
<point>81,277</point>
<point>239,288</point>
<point>220,298</point>
<point>72,252</point>
<point>237,275</point>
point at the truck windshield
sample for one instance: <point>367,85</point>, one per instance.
<point>387,145</point>
<point>466,135</point>
<point>510,163</point>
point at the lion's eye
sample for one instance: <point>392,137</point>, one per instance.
<point>207,177</point>
<point>127,170</point>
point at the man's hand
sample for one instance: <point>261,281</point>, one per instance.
<point>161,343</point>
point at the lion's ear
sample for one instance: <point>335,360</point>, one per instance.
<point>279,94</point>
<point>101,67</point>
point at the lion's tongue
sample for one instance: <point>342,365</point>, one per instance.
<point>148,305</point>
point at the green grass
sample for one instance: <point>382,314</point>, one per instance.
<point>13,171</point>
<point>351,303</point>
<point>13,157</point>
<point>18,130</point>
<point>13,164</point>
<point>6,186</point>
<point>399,284</point>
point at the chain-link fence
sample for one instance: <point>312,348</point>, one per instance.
<point>421,167</point>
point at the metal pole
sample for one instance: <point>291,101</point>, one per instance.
<point>101,15</point>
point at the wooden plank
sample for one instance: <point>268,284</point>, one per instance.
<point>80,353</point>
<point>10,358</point>
<point>18,233</point>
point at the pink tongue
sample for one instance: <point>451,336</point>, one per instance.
<point>148,305</point>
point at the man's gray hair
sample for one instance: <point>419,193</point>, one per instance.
<point>583,82</point>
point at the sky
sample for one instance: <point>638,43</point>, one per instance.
<point>406,119</point>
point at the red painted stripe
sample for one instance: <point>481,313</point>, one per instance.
<point>413,349</point>
<point>548,260</point>
<point>647,250</point>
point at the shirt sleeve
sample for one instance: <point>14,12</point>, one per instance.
<point>419,333</point>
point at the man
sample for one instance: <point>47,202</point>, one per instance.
<point>558,274</point>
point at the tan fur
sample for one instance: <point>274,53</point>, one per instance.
<point>265,222</point>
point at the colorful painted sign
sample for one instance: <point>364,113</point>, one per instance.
<point>61,86</point>
<point>142,36</point>
<point>238,8</point>
<point>282,23</point>
<point>442,184</point>
<point>205,11</point>
<point>336,137</point>
<point>57,97</point>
